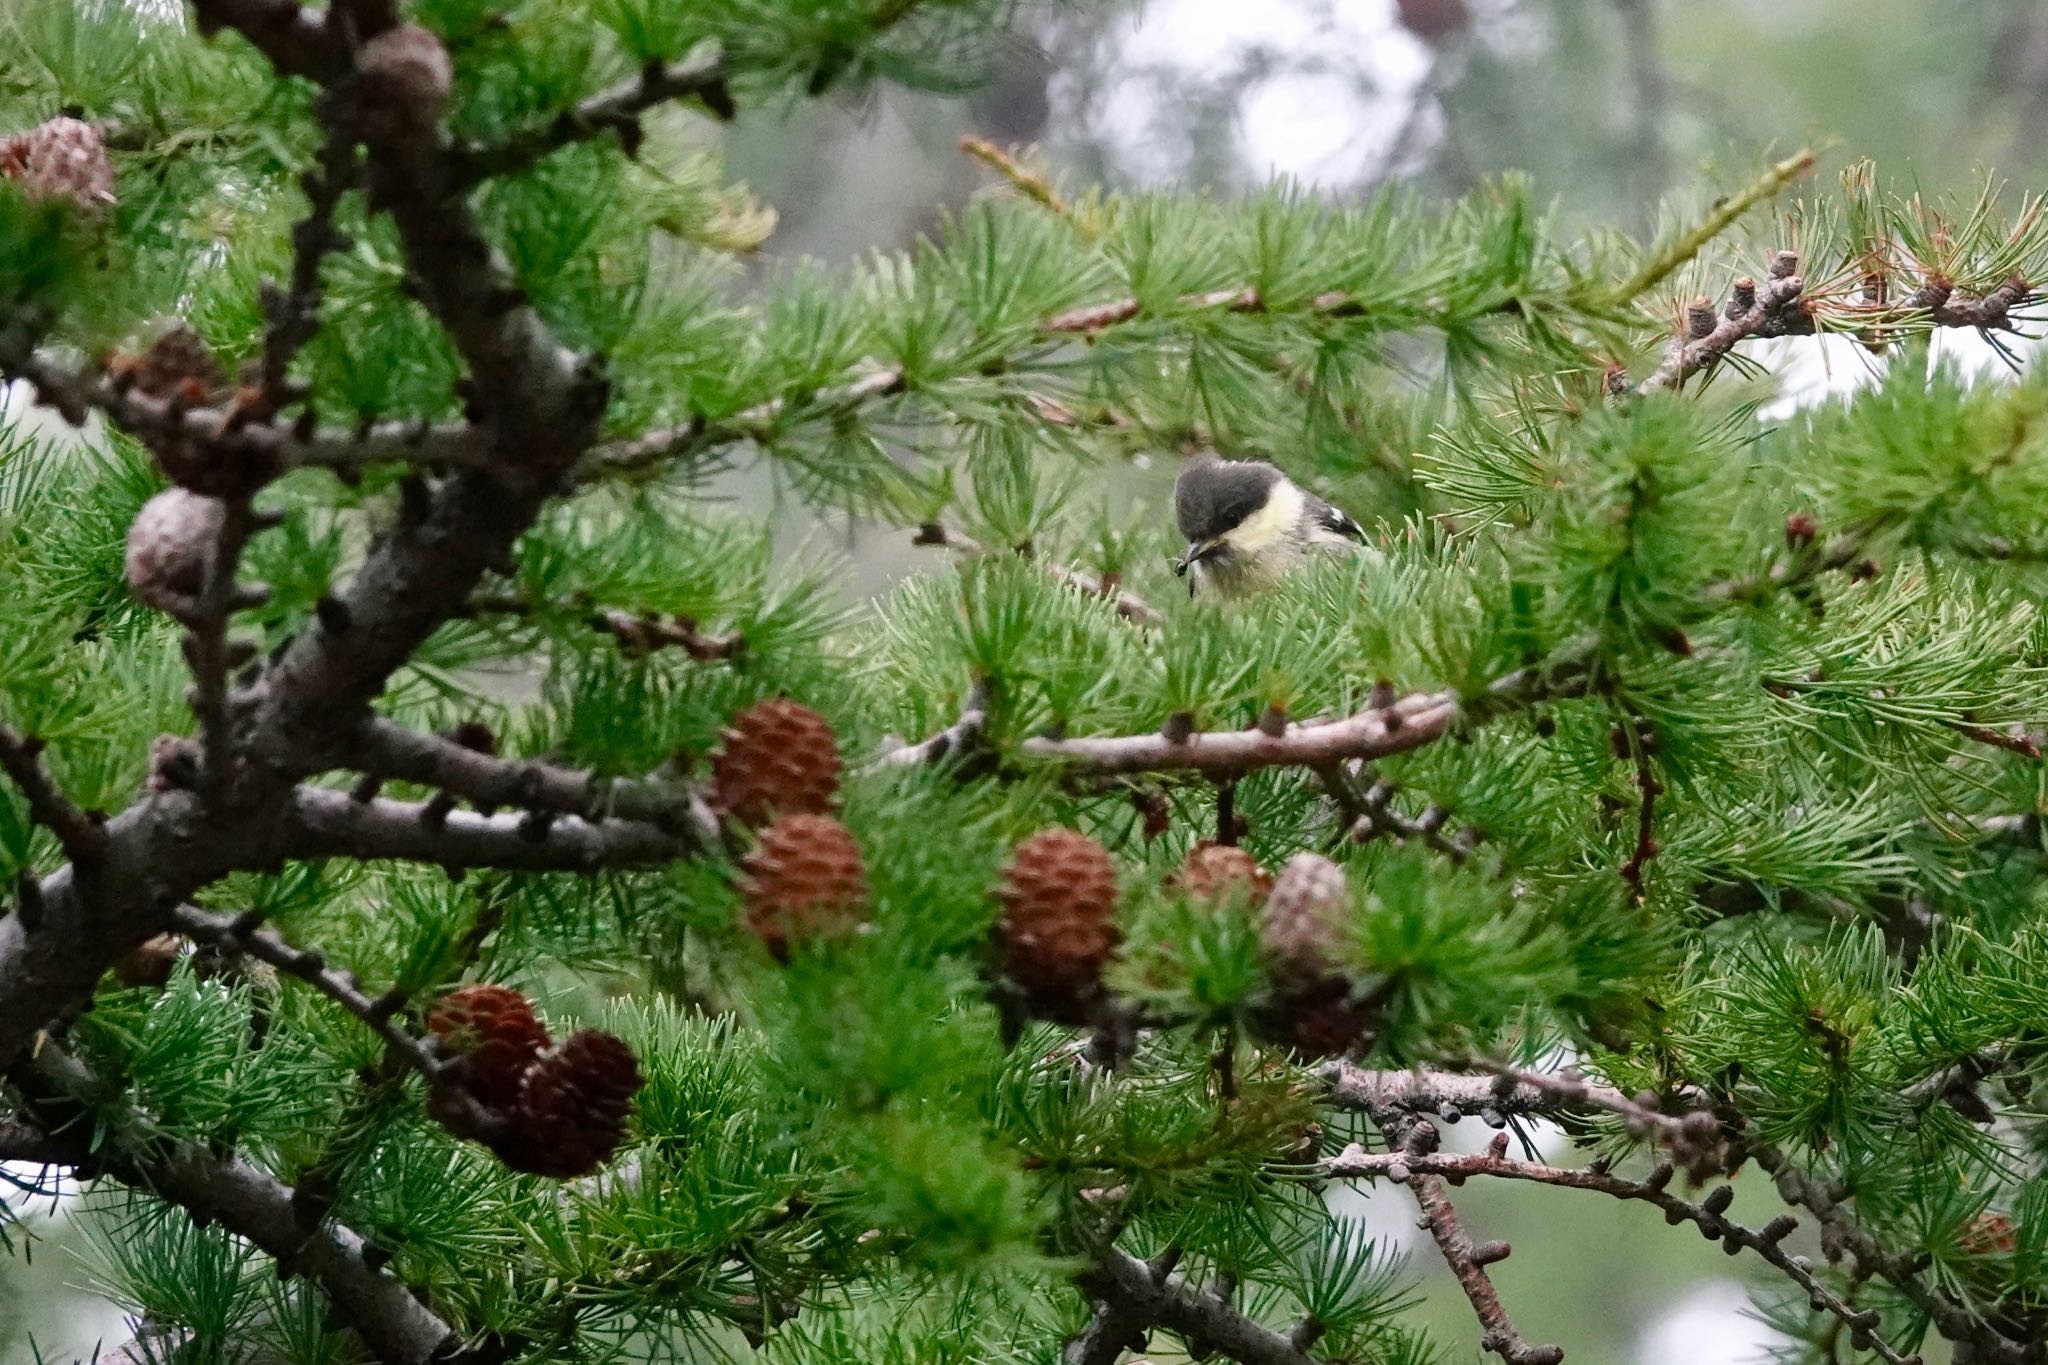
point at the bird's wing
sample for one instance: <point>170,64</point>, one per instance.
<point>1335,521</point>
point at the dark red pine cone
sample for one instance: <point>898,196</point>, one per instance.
<point>494,1032</point>
<point>574,1107</point>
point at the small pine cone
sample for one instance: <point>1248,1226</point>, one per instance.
<point>805,880</point>
<point>1214,873</point>
<point>1319,1017</point>
<point>177,365</point>
<point>149,963</point>
<point>169,547</point>
<point>1990,1233</point>
<point>573,1108</point>
<point>61,159</point>
<point>1304,920</point>
<point>778,758</point>
<point>404,77</point>
<point>1056,932</point>
<point>494,1031</point>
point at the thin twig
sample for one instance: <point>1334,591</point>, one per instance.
<point>1416,1139</point>
<point>637,633</point>
<point>1769,309</point>
<point>1129,605</point>
<point>1708,1214</point>
<point>1027,182</point>
<point>1647,787</point>
<point>294,315</point>
<point>1370,815</point>
<point>82,837</point>
<point>1955,1321</point>
<point>700,77</point>
<point>242,934</point>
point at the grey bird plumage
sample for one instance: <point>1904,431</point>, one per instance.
<point>1248,525</point>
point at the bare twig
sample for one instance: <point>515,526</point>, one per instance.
<point>1866,1256</point>
<point>1647,787</point>
<point>242,934</point>
<point>389,750</point>
<point>329,824</point>
<point>637,633</point>
<point>1129,605</point>
<point>959,737</point>
<point>294,315</point>
<point>1708,1214</point>
<point>1407,723</point>
<point>1369,815</point>
<point>1416,1138</point>
<point>1767,310</point>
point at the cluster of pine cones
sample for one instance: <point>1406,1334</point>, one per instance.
<point>557,1111</point>
<point>778,770</point>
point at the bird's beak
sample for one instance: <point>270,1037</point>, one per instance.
<point>1192,555</point>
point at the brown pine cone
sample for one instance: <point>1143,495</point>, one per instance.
<point>61,159</point>
<point>1990,1233</point>
<point>573,1108</point>
<point>1313,1018</point>
<point>1304,920</point>
<point>778,758</point>
<point>805,880</point>
<point>494,1031</point>
<point>1056,933</point>
<point>1214,873</point>
<point>178,364</point>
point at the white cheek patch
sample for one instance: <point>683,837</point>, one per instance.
<point>1271,524</point>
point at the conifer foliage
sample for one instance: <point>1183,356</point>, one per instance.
<point>451,862</point>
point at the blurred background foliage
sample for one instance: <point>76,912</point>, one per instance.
<point>1605,104</point>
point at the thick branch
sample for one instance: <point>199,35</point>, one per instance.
<point>298,41</point>
<point>389,750</point>
<point>332,824</point>
<point>382,1310</point>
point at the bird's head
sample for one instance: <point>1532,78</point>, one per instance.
<point>1226,507</point>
